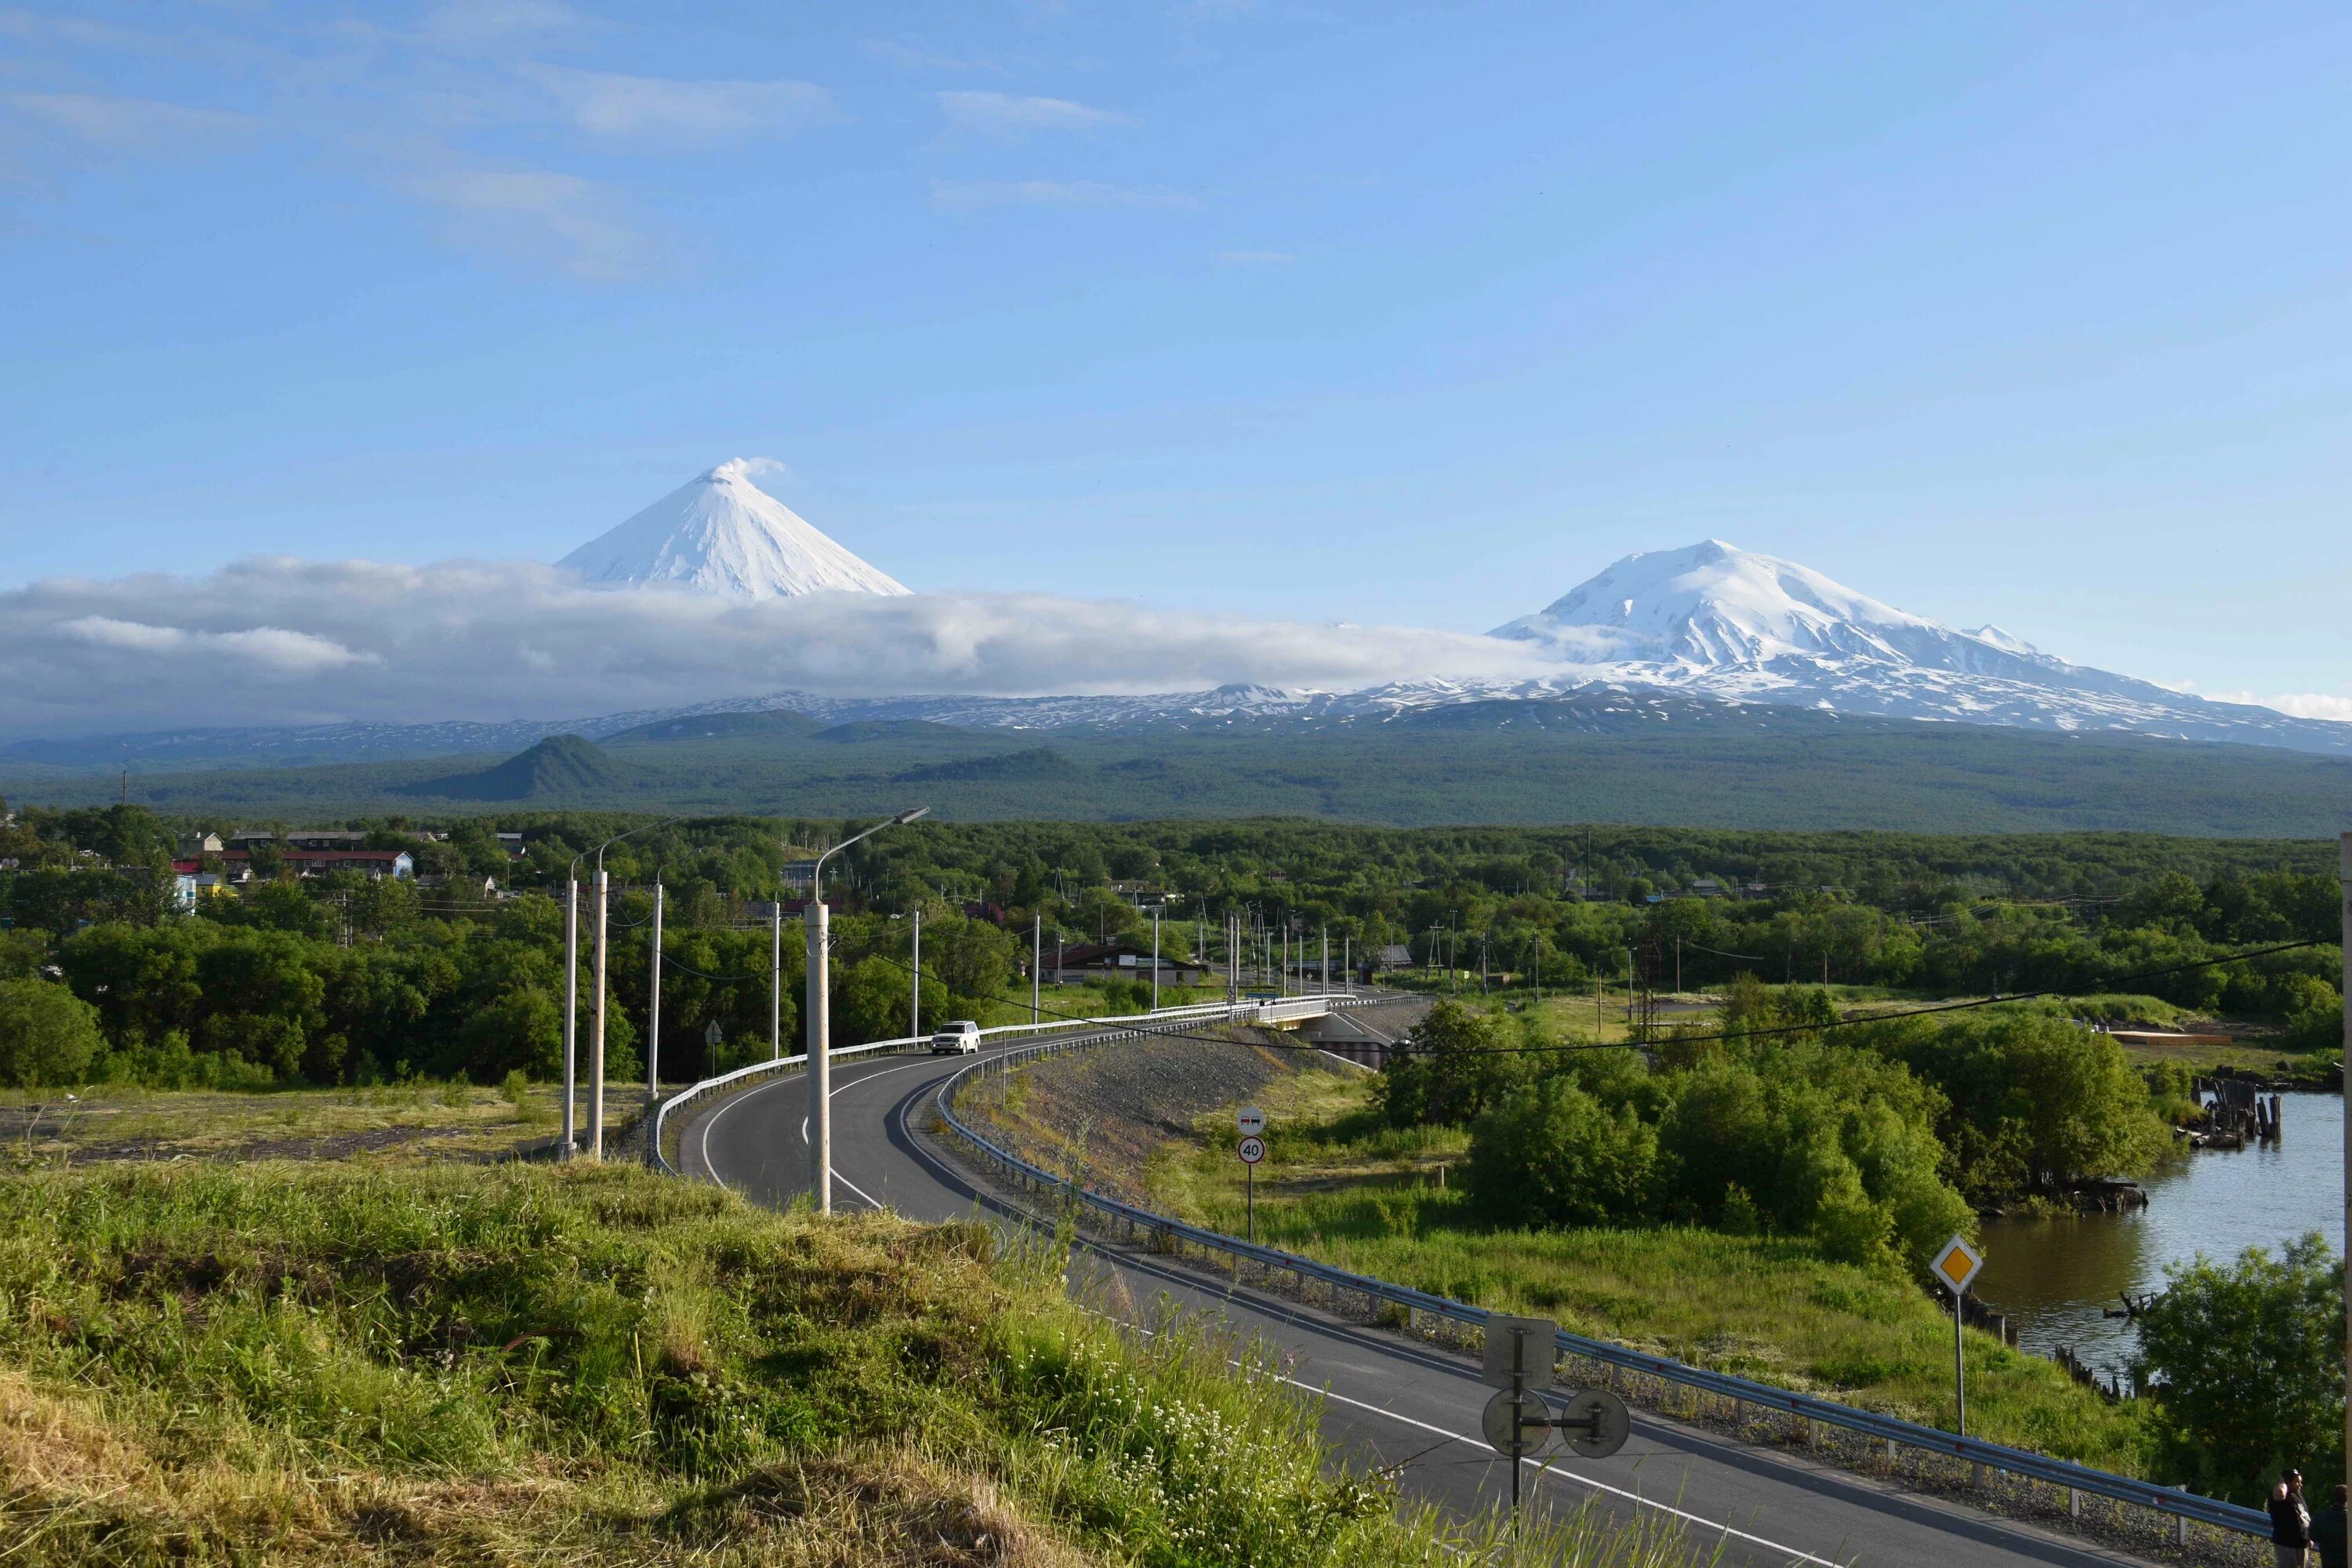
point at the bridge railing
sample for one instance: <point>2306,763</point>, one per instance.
<point>1285,1011</point>
<point>1893,1431</point>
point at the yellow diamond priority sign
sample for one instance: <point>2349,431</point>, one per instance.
<point>1957,1264</point>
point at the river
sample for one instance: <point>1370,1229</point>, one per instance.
<point>2054,1277</point>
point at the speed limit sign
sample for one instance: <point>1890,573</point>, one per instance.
<point>1253,1151</point>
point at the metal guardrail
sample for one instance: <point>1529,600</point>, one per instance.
<point>1892,1430</point>
<point>1199,1012</point>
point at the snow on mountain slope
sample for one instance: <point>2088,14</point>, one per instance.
<point>1719,621</point>
<point>723,534</point>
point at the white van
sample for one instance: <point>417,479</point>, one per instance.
<point>959,1038</point>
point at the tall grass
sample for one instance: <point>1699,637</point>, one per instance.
<point>292,1363</point>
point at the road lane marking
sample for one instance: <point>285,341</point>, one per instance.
<point>1545,1472</point>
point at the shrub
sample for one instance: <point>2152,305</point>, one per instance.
<point>48,1035</point>
<point>1552,1154</point>
<point>2248,1359</point>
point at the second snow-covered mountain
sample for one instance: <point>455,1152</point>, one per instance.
<point>1710,619</point>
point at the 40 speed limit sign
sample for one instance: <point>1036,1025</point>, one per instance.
<point>1253,1150</point>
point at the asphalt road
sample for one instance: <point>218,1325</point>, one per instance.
<point>1388,1403</point>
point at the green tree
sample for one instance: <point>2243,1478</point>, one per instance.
<point>2247,1360</point>
<point>48,1035</point>
<point>1453,1066</point>
<point>22,952</point>
<point>973,957</point>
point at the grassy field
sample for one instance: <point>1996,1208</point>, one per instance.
<point>1338,1186</point>
<point>380,1124</point>
<point>204,1362</point>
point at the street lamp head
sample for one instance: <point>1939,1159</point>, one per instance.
<point>905,818</point>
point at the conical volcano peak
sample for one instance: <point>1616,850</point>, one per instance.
<point>721,533</point>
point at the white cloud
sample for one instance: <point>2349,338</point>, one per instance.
<point>335,640</point>
<point>2300,704</point>
<point>471,23</point>
<point>1009,114</point>
<point>671,111</point>
<point>80,32</point>
<point>536,216</point>
<point>129,124</point>
<point>271,649</point>
<point>955,196</point>
<point>921,59</point>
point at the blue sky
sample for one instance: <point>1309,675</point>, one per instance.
<point>1413,314</point>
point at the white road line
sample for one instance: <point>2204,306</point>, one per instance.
<point>1545,1472</point>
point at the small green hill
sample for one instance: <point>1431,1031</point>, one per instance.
<point>559,765</point>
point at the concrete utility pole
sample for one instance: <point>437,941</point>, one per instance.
<point>776,980</point>
<point>1325,987</point>
<point>820,1022</point>
<point>1155,959</point>
<point>596,1047</point>
<point>2343,871</point>
<point>914,983</point>
<point>1036,961</point>
<point>571,1011</point>
<point>653,1014</point>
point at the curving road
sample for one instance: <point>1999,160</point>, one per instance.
<point>1387,1402</point>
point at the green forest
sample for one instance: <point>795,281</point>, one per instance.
<point>341,978</point>
<point>1590,759</point>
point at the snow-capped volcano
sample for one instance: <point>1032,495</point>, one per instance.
<point>723,534</point>
<point>1712,604</point>
<point>1715,620</point>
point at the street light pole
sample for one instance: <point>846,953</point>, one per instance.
<point>1036,960</point>
<point>570,1007</point>
<point>653,1013</point>
<point>820,1044</point>
<point>597,1060</point>
<point>776,978</point>
<point>596,1045</point>
<point>915,988</point>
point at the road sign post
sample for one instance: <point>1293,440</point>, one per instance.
<point>1251,1121</point>
<point>1955,1265</point>
<point>1518,1422</point>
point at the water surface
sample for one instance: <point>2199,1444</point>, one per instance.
<point>2054,1276</point>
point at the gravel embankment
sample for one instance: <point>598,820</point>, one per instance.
<point>1102,1112</point>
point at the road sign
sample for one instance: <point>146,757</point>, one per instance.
<point>1516,1424</point>
<point>1250,1118</point>
<point>1518,1350</point>
<point>1957,1264</point>
<point>1253,1151</point>
<point>1594,1423</point>
<point>714,1037</point>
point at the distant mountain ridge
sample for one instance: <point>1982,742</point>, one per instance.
<point>1658,637</point>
